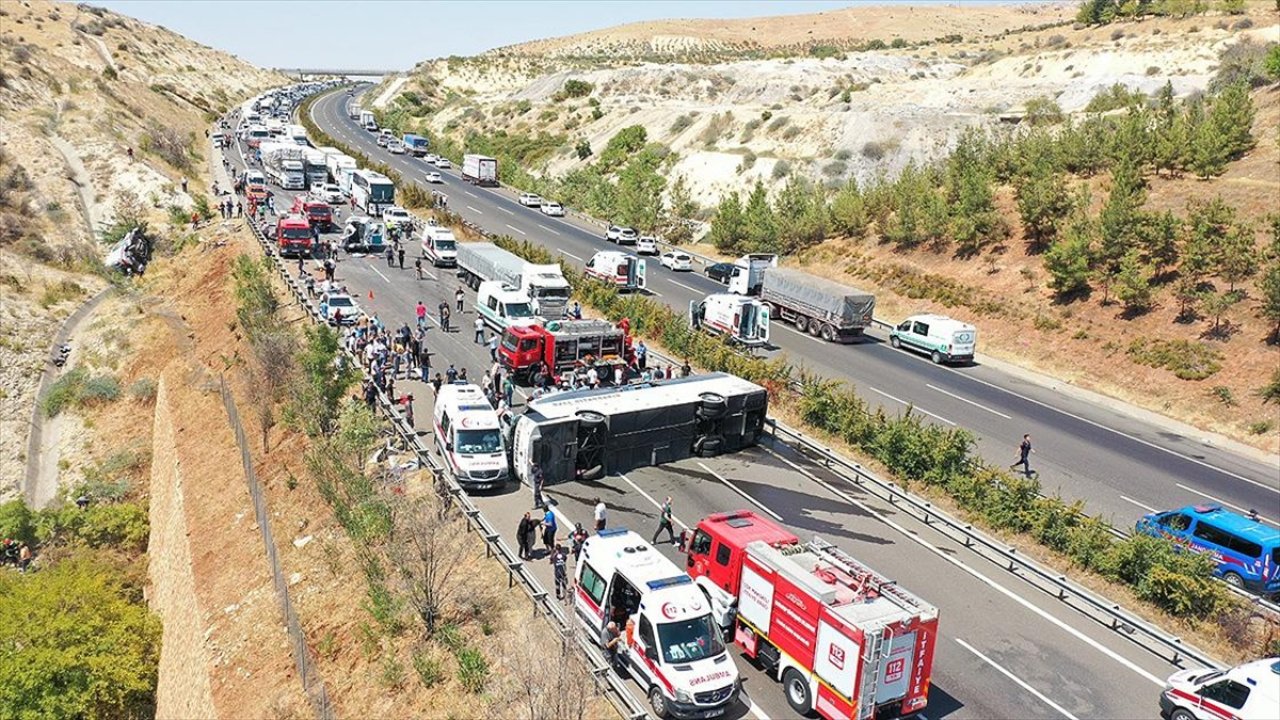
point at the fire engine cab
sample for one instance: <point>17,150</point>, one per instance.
<point>844,640</point>
<point>561,344</point>
<point>673,646</point>
<point>743,320</point>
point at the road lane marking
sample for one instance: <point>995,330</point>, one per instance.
<point>948,557</point>
<point>739,490</point>
<point>967,400</point>
<point>513,227</point>
<point>1021,683</point>
<point>474,210</point>
<point>755,709</point>
<point>655,503</point>
<point>468,192</point>
<point>686,287</point>
<point>384,277</point>
<point>1148,508</point>
<point>806,336</point>
<point>569,254</point>
<point>509,212</point>
<point>910,405</point>
<point>1224,502</point>
<point>544,227</point>
<point>651,292</point>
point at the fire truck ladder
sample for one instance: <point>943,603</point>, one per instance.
<point>870,580</point>
<point>873,656</point>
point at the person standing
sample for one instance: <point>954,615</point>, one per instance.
<point>479,330</point>
<point>1024,457</point>
<point>600,515</point>
<point>524,536</point>
<point>664,523</point>
<point>391,256</point>
<point>549,528</point>
<point>508,390</point>
<point>577,311</point>
<point>559,564</point>
<point>642,355</point>
<point>417,265</point>
<point>493,347</point>
<point>457,295</point>
<point>400,253</point>
<point>451,373</point>
<point>443,309</point>
<point>421,311</point>
<point>535,479</point>
<point>579,537</point>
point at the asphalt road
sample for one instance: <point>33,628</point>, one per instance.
<point>1122,466</point>
<point>1005,650</point>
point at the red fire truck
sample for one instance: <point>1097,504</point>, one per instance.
<point>317,212</point>
<point>293,236</point>
<point>561,344</point>
<point>844,640</point>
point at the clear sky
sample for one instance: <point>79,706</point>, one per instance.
<point>378,34</point>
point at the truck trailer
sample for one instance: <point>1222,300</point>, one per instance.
<point>340,169</point>
<point>479,169</point>
<point>846,642</point>
<point>824,308</point>
<point>587,434</point>
<point>284,164</point>
<point>544,284</point>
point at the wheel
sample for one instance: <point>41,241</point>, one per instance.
<point>815,326</point>
<point>657,702</point>
<point>895,342</point>
<point>1233,579</point>
<point>1181,714</point>
<point>936,357</point>
<point>712,406</point>
<point>802,323</point>
<point>797,691</point>
<point>828,333</point>
<point>708,446</point>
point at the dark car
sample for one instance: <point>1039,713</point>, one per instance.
<point>720,272</point>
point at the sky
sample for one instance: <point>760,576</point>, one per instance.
<point>394,35</point>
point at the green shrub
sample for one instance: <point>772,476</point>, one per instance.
<point>99,390</point>
<point>1186,360</point>
<point>681,124</point>
<point>64,290</point>
<point>473,669</point>
<point>1261,427</point>
<point>64,392</point>
<point>429,669</point>
<point>17,522</point>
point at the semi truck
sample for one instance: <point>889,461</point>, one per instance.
<point>586,434</point>
<point>283,164</point>
<point>544,284</point>
<point>672,647</point>
<point>561,345</point>
<point>479,169</point>
<point>823,308</point>
<point>846,642</point>
<point>748,272</point>
<point>743,320</point>
<point>416,145</point>
<point>368,121</point>
<point>317,166</point>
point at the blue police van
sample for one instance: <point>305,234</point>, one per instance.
<point>1247,551</point>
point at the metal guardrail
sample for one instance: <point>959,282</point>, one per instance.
<point>606,679</point>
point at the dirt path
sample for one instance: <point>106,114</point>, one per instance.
<point>83,183</point>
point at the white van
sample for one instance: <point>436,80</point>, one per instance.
<point>501,305</point>
<point>938,336</point>
<point>469,437</point>
<point>439,246</point>
<point>1246,692</point>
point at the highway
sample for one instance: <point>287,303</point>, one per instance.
<point>1006,650</point>
<point>1122,466</point>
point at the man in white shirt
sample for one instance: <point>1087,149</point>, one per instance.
<point>600,515</point>
<point>593,378</point>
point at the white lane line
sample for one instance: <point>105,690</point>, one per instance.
<point>913,407</point>
<point>474,210</point>
<point>739,490</point>
<point>468,192</point>
<point>652,292</point>
<point>513,227</point>
<point>384,277</point>
<point>569,254</point>
<point>755,710</point>
<point>1130,500</point>
<point>544,227</point>
<point>1224,502</point>
<point>1022,683</point>
<point>806,336</point>
<point>655,503</point>
<point>1043,614</point>
<point>686,287</point>
<point>967,400</point>
<point>509,212</point>
<point>428,274</point>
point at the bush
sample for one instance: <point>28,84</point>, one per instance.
<point>61,292</point>
<point>64,392</point>
<point>576,88</point>
<point>473,669</point>
<point>781,169</point>
<point>1186,360</point>
<point>681,124</point>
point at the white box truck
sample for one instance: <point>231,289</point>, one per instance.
<point>479,169</point>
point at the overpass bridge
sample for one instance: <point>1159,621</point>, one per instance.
<point>358,73</point>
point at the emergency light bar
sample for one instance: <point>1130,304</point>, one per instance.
<point>612,532</point>
<point>669,582</point>
<point>464,408</point>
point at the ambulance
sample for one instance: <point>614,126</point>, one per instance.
<point>1246,692</point>
<point>743,320</point>
<point>673,646</point>
<point>468,436</point>
<point>626,272</point>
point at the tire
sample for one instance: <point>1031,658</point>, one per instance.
<point>796,688</point>
<point>802,323</point>
<point>657,702</point>
<point>1181,714</point>
<point>815,326</point>
<point>936,357</point>
<point>711,406</point>
<point>1233,579</point>
<point>828,333</point>
<point>590,418</point>
<point>708,446</point>
<point>895,342</point>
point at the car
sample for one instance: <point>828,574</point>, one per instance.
<point>395,147</point>
<point>620,235</point>
<point>529,199</point>
<point>329,193</point>
<point>720,272</point>
<point>396,215</point>
<point>430,158</point>
<point>647,245</point>
<point>334,303</point>
<point>434,178</point>
<point>677,261</point>
<point>443,163</point>
<point>382,140</point>
<point>552,208</point>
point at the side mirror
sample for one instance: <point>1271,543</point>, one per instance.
<point>448,446</point>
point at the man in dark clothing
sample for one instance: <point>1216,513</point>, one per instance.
<point>417,265</point>
<point>559,565</point>
<point>685,369</point>
<point>524,536</point>
<point>664,523</point>
<point>391,256</point>
<point>400,253</point>
<point>444,315</point>
<point>612,643</point>
<point>1024,457</point>
<point>451,373</point>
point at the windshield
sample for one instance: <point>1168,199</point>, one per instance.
<point>446,244</point>
<point>340,302</point>
<point>479,441</point>
<point>290,233</point>
<point>519,310</point>
<point>689,640</point>
<point>382,192</point>
<point>555,293</point>
<point>318,211</point>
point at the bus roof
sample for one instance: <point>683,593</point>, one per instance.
<point>610,401</point>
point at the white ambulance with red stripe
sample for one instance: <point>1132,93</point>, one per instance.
<point>469,437</point>
<point>1246,692</point>
<point>743,320</point>
<point>673,646</point>
<point>845,641</point>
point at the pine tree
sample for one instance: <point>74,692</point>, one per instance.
<point>800,215</point>
<point>1067,259</point>
<point>974,220</point>
<point>728,229</point>
<point>1158,234</point>
<point>1232,116</point>
<point>1133,282</point>
<point>761,229</point>
<point>639,196</point>
<point>1237,255</point>
<point>849,211</point>
<point>1118,222</point>
<point>680,212</point>
<point>1043,203</point>
<point>1269,285</point>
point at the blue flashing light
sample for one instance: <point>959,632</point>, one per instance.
<point>670,582</point>
<point>612,532</point>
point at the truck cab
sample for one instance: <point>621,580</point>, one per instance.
<point>439,246</point>
<point>743,320</point>
<point>547,290</point>
<point>293,236</point>
<point>617,268</point>
<point>317,212</point>
<point>468,436</point>
<point>748,273</point>
<point>255,185</point>
<point>501,306</point>
<point>671,645</point>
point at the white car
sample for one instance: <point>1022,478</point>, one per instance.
<point>434,178</point>
<point>395,147</point>
<point>333,303</point>
<point>677,261</point>
<point>530,200</point>
<point>395,215</point>
<point>431,158</point>
<point>552,208</point>
<point>329,193</point>
<point>443,163</point>
<point>620,235</point>
<point>384,137</point>
<point>647,245</point>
